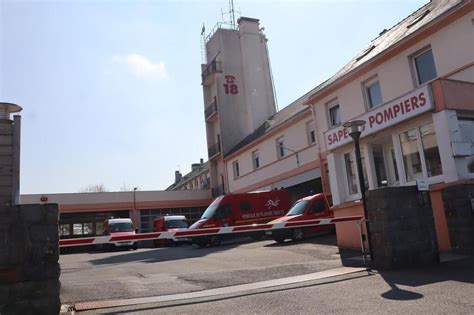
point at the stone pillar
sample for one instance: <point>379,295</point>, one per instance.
<point>458,203</point>
<point>402,227</point>
<point>29,255</point>
<point>9,154</point>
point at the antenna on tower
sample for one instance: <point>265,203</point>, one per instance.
<point>231,13</point>
<point>203,44</point>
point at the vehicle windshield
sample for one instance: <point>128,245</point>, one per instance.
<point>121,227</point>
<point>209,213</point>
<point>298,208</point>
<point>175,224</point>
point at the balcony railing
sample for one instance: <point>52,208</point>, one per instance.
<point>213,67</point>
<point>214,150</point>
<point>211,109</point>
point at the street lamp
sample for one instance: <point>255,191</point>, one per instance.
<point>355,128</point>
<point>135,216</point>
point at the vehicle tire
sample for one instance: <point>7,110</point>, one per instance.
<point>200,242</point>
<point>135,246</point>
<point>297,235</point>
<point>215,241</point>
<point>156,243</point>
<point>279,240</point>
<point>170,243</point>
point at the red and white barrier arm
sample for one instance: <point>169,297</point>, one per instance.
<point>203,232</point>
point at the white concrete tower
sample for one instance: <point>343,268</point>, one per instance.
<point>238,91</point>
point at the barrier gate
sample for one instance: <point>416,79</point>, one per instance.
<point>204,232</point>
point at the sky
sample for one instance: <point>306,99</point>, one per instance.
<point>111,90</point>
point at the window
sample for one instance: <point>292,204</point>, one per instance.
<point>256,159</point>
<point>424,66</point>
<point>411,156</point>
<point>425,164</point>
<point>223,212</point>
<point>64,230</point>
<point>334,114</point>
<point>235,167</point>
<point>310,130</point>
<point>430,150</point>
<point>317,206</point>
<point>373,93</point>
<point>351,175</point>
<point>280,145</point>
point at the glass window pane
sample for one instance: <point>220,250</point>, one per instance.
<point>77,229</point>
<point>350,171</point>
<point>411,156</point>
<point>374,94</point>
<point>379,163</point>
<point>425,67</point>
<point>335,115</point>
<point>64,230</point>
<point>88,228</point>
<point>430,149</point>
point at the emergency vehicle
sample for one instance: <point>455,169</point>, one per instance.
<point>170,223</point>
<point>241,209</point>
<point>309,208</point>
<point>120,227</point>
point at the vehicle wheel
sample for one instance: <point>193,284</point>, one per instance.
<point>200,242</point>
<point>279,240</point>
<point>215,241</point>
<point>298,235</point>
<point>135,246</point>
<point>170,243</point>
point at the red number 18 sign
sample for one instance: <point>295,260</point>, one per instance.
<point>230,87</point>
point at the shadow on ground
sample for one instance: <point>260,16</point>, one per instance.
<point>460,270</point>
<point>168,253</point>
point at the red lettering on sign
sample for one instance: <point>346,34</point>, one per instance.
<point>379,118</point>
<point>414,102</point>
<point>371,120</point>
<point>407,105</point>
<point>422,99</point>
<point>388,114</point>
<point>230,87</point>
<point>396,109</point>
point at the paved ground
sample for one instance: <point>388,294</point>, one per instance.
<point>444,289</point>
<point>161,271</point>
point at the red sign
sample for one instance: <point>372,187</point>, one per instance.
<point>230,87</point>
<point>394,112</point>
<point>44,199</point>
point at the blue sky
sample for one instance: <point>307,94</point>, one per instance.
<point>111,90</point>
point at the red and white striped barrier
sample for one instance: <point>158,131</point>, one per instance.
<point>202,232</point>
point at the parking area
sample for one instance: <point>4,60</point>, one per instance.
<point>160,271</point>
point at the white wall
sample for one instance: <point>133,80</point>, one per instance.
<point>295,138</point>
<point>452,49</point>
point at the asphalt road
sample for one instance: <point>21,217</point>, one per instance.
<point>444,289</point>
<point>150,272</point>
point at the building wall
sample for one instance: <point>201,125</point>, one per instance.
<point>295,138</point>
<point>452,49</point>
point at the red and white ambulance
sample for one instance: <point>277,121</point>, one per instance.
<point>170,223</point>
<point>120,227</point>
<point>308,208</point>
<point>241,209</point>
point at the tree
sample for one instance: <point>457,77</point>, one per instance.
<point>94,188</point>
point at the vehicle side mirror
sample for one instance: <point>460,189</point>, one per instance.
<point>136,230</point>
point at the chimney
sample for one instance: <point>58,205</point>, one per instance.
<point>177,176</point>
<point>194,166</point>
<point>201,161</point>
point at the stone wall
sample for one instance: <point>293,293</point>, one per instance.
<point>29,268</point>
<point>459,209</point>
<point>402,228</point>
